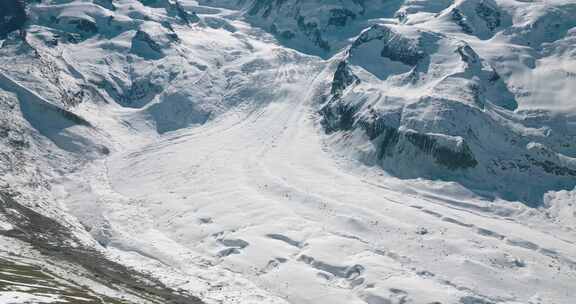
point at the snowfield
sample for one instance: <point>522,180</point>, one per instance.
<point>304,152</point>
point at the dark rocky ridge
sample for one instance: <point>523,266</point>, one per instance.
<point>12,16</point>
<point>343,78</point>
<point>394,46</point>
<point>56,240</point>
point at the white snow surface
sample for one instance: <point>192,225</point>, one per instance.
<point>218,179</point>
<point>16,297</point>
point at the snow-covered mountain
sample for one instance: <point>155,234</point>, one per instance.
<point>433,107</point>
<point>288,151</point>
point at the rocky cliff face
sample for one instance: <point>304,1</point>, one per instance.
<point>12,16</point>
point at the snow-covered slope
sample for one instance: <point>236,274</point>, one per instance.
<point>320,27</point>
<point>434,101</point>
<point>288,151</point>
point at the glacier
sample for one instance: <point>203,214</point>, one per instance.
<point>288,151</point>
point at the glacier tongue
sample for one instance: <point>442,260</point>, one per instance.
<point>286,151</point>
